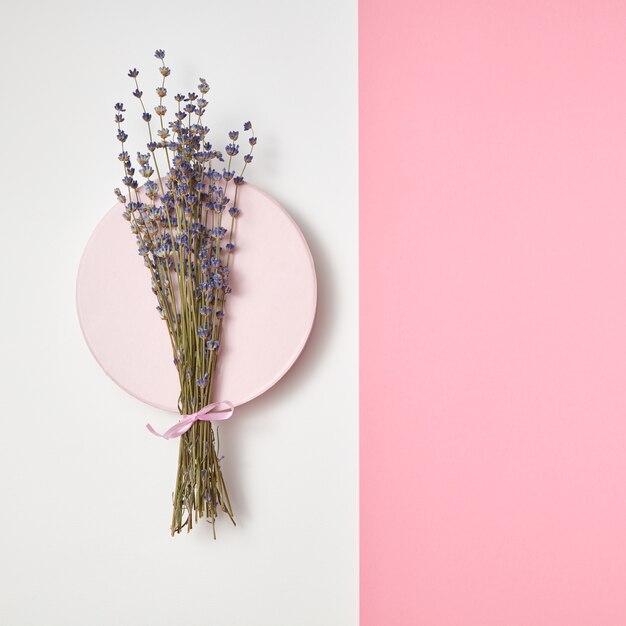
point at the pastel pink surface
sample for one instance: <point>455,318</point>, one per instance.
<point>493,327</point>
<point>269,314</point>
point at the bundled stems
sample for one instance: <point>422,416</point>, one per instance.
<point>177,220</point>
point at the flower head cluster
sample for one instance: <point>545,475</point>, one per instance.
<point>179,190</point>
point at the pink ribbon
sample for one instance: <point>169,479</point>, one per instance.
<point>209,413</point>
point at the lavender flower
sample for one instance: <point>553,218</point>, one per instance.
<point>180,220</point>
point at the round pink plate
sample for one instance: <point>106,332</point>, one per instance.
<point>269,314</point>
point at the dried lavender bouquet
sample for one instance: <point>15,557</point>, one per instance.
<point>187,242</point>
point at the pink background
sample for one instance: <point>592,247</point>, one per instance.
<point>493,313</point>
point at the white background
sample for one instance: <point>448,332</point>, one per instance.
<point>85,490</point>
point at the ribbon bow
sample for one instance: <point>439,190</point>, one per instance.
<point>209,413</point>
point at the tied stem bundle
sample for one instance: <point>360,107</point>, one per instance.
<point>184,221</point>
